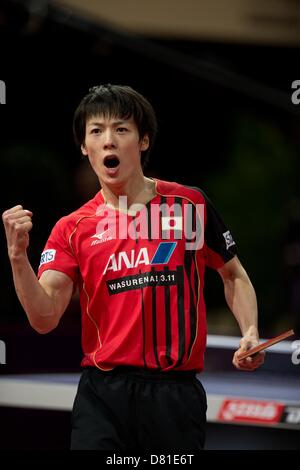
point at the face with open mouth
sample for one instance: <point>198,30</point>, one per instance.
<point>111,163</point>
<point>113,147</point>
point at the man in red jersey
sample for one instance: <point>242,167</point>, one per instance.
<point>137,252</point>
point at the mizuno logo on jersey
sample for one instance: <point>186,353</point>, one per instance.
<point>101,237</point>
<point>118,261</point>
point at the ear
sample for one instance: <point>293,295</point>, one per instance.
<point>83,149</point>
<point>145,143</point>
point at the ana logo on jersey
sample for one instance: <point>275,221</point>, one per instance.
<point>122,259</point>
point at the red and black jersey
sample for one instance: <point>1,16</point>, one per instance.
<point>141,276</point>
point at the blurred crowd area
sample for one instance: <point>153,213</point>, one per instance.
<point>241,149</point>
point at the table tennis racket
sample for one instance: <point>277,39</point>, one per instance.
<point>265,344</point>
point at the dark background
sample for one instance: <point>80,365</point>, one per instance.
<point>238,140</point>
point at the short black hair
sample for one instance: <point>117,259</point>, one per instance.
<point>118,101</point>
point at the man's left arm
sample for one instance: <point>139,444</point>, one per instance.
<point>241,299</point>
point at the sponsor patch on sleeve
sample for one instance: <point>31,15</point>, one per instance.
<point>228,239</point>
<point>47,256</point>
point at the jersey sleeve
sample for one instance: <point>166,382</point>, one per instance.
<point>58,254</point>
<point>219,244</point>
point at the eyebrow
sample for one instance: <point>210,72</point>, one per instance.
<point>115,123</point>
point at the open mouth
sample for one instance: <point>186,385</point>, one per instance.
<point>111,161</point>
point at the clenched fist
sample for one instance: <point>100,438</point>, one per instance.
<point>17,223</point>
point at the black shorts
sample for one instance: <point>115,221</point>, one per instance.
<point>138,409</point>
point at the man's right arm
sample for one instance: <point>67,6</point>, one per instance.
<point>44,300</point>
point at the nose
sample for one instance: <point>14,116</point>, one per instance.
<point>109,140</point>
